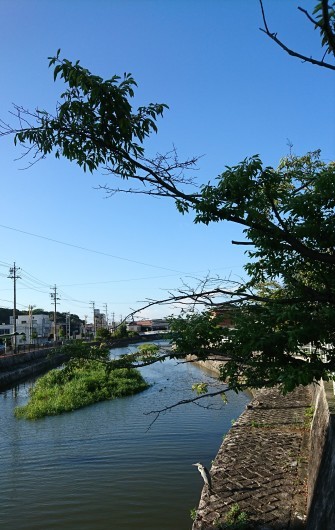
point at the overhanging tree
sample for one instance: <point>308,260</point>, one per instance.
<point>287,214</point>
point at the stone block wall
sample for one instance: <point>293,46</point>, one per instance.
<point>321,472</point>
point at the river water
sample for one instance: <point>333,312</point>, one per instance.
<point>104,467</point>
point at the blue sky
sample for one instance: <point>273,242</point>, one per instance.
<point>231,94</point>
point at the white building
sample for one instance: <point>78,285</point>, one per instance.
<point>100,320</point>
<point>5,329</point>
<point>36,328</point>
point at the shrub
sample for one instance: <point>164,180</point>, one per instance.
<point>65,390</point>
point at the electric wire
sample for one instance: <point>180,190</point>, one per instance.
<point>90,250</point>
<point>31,282</point>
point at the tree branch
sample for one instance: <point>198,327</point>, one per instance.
<point>315,22</point>
<point>291,52</point>
<point>242,243</point>
<point>183,402</point>
<point>190,400</point>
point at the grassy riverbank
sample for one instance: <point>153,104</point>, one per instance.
<point>62,390</point>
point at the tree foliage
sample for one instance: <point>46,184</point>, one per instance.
<point>6,313</point>
<point>104,335</point>
<point>120,332</point>
<point>287,215</point>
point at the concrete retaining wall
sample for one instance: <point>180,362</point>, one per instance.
<point>12,361</point>
<point>313,455</point>
<point>260,466</point>
<point>316,462</point>
<point>19,367</point>
<point>321,473</point>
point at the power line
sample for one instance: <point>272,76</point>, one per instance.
<point>119,281</point>
<point>11,301</point>
<point>34,279</point>
<point>27,286</point>
<point>90,250</point>
<point>4,264</point>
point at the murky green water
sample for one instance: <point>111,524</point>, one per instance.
<point>100,468</point>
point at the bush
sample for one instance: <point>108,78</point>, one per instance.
<point>62,390</point>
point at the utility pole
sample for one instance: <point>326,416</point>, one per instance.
<point>54,299</point>
<point>68,326</point>
<point>106,314</point>
<point>85,329</point>
<point>13,275</point>
<point>30,313</point>
<point>94,321</point>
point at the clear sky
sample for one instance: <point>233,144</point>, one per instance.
<point>232,93</point>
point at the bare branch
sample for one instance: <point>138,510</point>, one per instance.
<point>152,360</point>
<point>315,22</point>
<point>190,400</point>
<point>242,243</point>
<point>213,298</point>
<point>184,402</point>
<point>157,172</point>
<point>288,50</point>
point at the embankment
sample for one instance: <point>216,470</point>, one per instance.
<point>277,463</point>
<point>321,475</point>
<point>19,367</point>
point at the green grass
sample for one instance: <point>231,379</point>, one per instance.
<point>63,391</point>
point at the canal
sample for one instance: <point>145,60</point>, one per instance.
<point>104,467</point>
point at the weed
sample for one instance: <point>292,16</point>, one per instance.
<point>234,520</point>
<point>309,413</point>
<point>193,514</point>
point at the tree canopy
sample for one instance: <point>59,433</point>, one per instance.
<point>287,214</point>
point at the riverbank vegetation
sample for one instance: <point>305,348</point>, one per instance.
<point>81,382</point>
